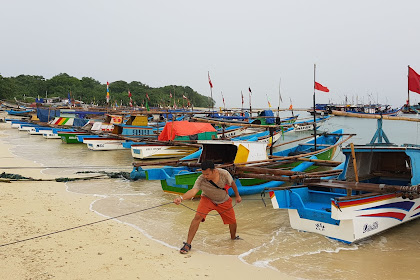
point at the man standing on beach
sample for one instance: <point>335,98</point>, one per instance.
<point>213,183</point>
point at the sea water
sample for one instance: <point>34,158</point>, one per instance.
<point>268,239</point>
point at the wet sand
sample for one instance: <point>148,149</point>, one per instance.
<point>107,250</point>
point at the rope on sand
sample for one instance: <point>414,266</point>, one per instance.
<point>84,225</point>
<point>9,177</point>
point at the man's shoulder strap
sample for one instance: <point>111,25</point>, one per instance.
<point>214,184</point>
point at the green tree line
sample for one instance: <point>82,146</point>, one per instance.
<point>90,90</point>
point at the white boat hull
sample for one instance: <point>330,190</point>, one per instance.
<point>161,151</point>
<point>104,144</point>
<point>358,219</point>
<point>50,135</point>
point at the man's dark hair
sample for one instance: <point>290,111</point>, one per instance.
<point>207,164</point>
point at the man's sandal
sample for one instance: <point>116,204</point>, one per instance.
<point>185,249</point>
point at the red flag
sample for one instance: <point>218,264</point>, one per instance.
<point>320,87</point>
<point>129,94</point>
<point>249,90</point>
<point>223,99</point>
<point>170,94</point>
<point>290,107</point>
<point>147,96</point>
<point>413,80</point>
<point>211,85</point>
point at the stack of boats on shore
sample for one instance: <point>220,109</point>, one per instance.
<point>374,189</point>
<point>113,132</point>
<point>355,110</point>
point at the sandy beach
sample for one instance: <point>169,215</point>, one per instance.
<point>106,250</point>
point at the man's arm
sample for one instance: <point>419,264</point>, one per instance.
<point>188,195</point>
<point>235,190</point>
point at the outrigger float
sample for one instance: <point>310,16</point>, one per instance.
<point>378,189</point>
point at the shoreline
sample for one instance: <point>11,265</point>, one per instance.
<point>106,250</point>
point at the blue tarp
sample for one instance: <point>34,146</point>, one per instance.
<point>46,115</point>
<point>80,122</point>
<point>82,114</point>
<point>268,113</point>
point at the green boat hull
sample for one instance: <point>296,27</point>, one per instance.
<point>69,138</point>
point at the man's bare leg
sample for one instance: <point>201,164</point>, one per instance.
<point>195,223</point>
<point>232,228</point>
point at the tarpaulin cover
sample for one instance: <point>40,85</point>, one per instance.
<point>80,122</point>
<point>46,115</point>
<point>268,113</point>
<point>183,128</point>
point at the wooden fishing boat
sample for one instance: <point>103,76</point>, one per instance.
<point>326,145</point>
<point>378,190</point>
<point>175,131</point>
<point>104,143</point>
<point>365,111</point>
<point>39,130</point>
<point>263,136</point>
<point>230,131</point>
<point>19,112</point>
<point>309,125</point>
<point>71,136</point>
<point>156,151</point>
<point>53,134</point>
<point>232,154</point>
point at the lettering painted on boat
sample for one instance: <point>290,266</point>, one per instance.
<point>100,145</point>
<point>319,226</point>
<point>153,149</point>
<point>370,227</point>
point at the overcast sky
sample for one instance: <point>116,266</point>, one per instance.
<point>361,47</point>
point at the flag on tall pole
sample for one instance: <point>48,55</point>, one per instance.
<point>211,85</point>
<point>250,93</point>
<point>223,99</point>
<point>413,80</point>
<point>147,96</point>
<point>268,101</point>
<point>320,87</point>
<point>280,100</point>
<point>131,101</point>
<point>211,90</point>
<point>107,92</point>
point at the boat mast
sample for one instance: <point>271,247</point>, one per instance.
<point>278,107</point>
<point>314,112</point>
<point>408,86</point>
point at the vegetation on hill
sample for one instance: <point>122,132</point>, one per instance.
<point>90,90</point>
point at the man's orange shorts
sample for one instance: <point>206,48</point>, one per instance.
<point>225,209</point>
